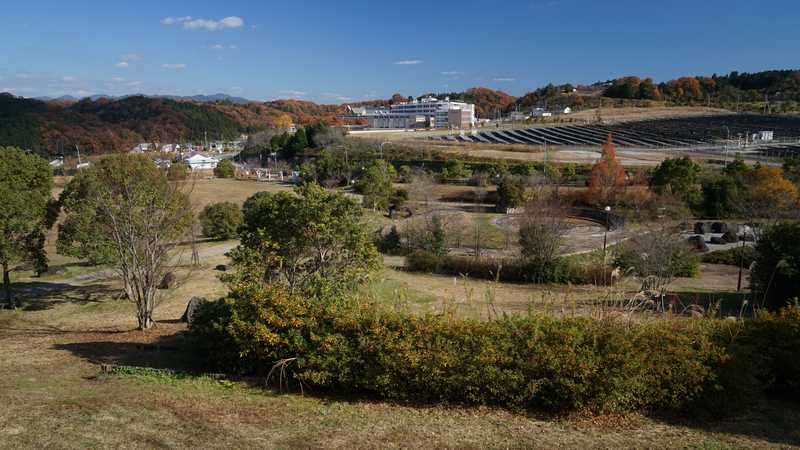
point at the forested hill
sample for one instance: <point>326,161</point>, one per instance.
<point>109,125</point>
<point>781,87</point>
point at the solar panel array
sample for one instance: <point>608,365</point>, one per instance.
<point>684,132</point>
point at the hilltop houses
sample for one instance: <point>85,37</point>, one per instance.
<point>218,146</point>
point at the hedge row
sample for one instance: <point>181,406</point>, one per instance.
<point>539,363</point>
<point>508,270</point>
<point>732,256</point>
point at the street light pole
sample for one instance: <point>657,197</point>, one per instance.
<point>607,210</point>
<point>741,267</point>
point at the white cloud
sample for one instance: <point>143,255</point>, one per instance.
<point>118,79</point>
<point>84,93</point>
<point>134,83</point>
<point>408,62</point>
<point>505,80</point>
<point>173,66</point>
<point>335,96</point>
<point>453,73</point>
<point>24,76</point>
<point>294,93</point>
<point>189,23</point>
<point>126,60</point>
<point>222,47</point>
<point>14,90</point>
<point>236,90</point>
<point>69,79</point>
<point>174,20</point>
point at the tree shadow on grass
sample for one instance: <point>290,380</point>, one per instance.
<point>170,351</point>
<point>38,296</point>
<point>771,419</point>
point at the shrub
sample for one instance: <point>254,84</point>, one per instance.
<point>312,240</point>
<point>225,169</point>
<point>509,270</point>
<point>391,243</point>
<point>177,171</point>
<point>732,256</point>
<point>510,193</point>
<point>541,363</point>
<point>221,220</point>
<point>775,340</point>
<point>776,277</point>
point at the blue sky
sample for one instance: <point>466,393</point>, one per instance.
<point>340,51</point>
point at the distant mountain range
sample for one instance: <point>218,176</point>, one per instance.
<point>194,98</point>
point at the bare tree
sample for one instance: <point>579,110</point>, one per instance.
<point>420,188</point>
<point>542,228</point>
<point>429,232</point>
<point>137,218</point>
<point>657,255</point>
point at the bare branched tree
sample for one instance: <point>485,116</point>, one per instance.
<point>542,228</point>
<point>657,255</point>
<point>420,188</point>
<point>137,218</point>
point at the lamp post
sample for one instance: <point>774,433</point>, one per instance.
<point>381,147</point>
<point>607,210</point>
<point>741,266</point>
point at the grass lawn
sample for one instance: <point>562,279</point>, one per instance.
<point>54,393</point>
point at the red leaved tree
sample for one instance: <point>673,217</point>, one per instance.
<point>608,177</point>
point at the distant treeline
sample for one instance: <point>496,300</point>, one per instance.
<point>781,87</point>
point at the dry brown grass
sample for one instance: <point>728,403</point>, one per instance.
<point>627,114</point>
<point>53,396</point>
<point>214,190</point>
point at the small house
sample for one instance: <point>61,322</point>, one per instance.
<point>200,162</point>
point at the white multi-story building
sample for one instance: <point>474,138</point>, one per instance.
<point>428,112</point>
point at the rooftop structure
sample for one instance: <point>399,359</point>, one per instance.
<point>428,112</point>
<point>200,162</point>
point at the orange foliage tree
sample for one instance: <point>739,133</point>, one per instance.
<point>769,194</point>
<point>608,177</point>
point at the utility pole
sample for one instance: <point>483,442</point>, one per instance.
<point>741,267</point>
<point>78,149</point>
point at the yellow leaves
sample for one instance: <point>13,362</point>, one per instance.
<point>283,121</point>
<point>769,184</point>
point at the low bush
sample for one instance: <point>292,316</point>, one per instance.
<point>221,220</point>
<point>510,270</point>
<point>579,269</point>
<point>775,343</point>
<point>541,363</point>
<point>225,169</point>
<point>732,256</point>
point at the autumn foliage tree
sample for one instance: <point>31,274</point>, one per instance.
<point>608,177</point>
<point>768,195</point>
